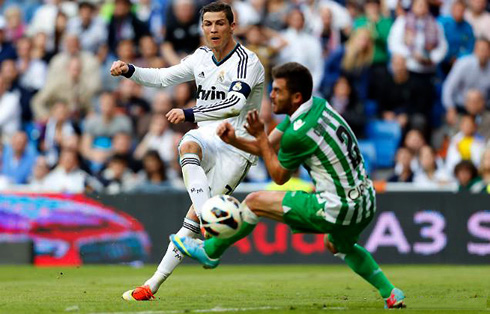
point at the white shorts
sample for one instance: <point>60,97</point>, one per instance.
<point>224,167</point>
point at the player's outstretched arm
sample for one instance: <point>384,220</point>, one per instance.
<point>256,128</point>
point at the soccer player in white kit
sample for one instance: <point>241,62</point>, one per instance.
<point>230,82</point>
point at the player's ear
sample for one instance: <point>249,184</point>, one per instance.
<point>232,26</point>
<point>297,98</point>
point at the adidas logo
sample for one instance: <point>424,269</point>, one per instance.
<point>201,75</point>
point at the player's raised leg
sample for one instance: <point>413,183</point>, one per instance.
<point>362,263</point>
<point>258,204</point>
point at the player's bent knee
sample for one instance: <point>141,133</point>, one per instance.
<point>190,148</point>
<point>253,200</point>
<point>329,245</point>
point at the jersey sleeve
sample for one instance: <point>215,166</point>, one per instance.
<point>294,150</point>
<point>247,75</point>
<point>283,125</point>
<point>164,77</point>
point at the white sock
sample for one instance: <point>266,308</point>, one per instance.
<point>195,181</point>
<point>172,257</point>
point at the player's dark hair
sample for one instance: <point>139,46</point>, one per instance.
<point>218,6</point>
<point>298,78</point>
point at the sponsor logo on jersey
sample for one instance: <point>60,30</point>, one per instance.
<point>201,75</point>
<point>297,124</point>
<point>212,94</point>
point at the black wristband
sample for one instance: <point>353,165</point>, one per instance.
<point>130,71</point>
<point>189,115</point>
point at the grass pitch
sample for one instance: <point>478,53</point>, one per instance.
<point>248,289</point>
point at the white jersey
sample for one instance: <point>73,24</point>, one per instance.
<point>227,89</point>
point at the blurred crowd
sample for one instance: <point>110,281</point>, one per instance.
<point>66,125</point>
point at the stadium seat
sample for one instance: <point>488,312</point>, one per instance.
<point>368,151</point>
<point>386,136</point>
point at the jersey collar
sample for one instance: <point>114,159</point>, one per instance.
<point>305,107</point>
<point>227,56</point>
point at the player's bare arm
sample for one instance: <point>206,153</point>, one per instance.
<point>227,134</point>
<point>255,127</point>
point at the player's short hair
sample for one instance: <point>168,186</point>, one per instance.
<point>298,78</point>
<point>218,6</point>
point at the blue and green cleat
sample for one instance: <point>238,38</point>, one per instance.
<point>194,248</point>
<point>396,300</point>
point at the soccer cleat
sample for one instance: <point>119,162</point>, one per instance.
<point>142,293</point>
<point>194,248</point>
<point>396,300</point>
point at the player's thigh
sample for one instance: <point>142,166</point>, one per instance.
<point>305,213</point>
<point>267,204</point>
<point>227,172</point>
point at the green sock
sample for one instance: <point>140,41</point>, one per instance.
<point>215,247</point>
<point>363,263</point>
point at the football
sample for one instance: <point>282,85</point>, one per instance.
<point>221,216</point>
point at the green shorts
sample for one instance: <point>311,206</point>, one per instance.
<point>305,216</point>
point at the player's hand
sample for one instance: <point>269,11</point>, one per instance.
<point>254,125</point>
<point>226,132</point>
<point>119,68</point>
<point>175,116</point>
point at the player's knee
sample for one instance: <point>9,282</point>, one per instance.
<point>329,245</point>
<point>190,148</point>
<point>253,200</point>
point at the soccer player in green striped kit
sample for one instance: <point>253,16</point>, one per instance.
<point>313,135</point>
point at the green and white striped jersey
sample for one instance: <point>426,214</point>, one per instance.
<point>317,137</point>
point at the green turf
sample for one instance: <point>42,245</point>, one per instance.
<point>292,289</point>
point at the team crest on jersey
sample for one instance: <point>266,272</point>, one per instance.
<point>297,124</point>
<point>237,87</point>
<point>221,77</point>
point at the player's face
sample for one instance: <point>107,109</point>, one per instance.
<point>280,96</point>
<point>217,30</point>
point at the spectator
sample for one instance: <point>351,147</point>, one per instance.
<point>124,25</point>
<point>58,127</point>
<point>162,102</point>
<point>90,28</point>
<point>329,36</point>
<point>117,177</point>
<point>99,130</point>
<point>379,28</point>
<point>470,72</point>
<point>159,138</point>
<point>67,176</point>
<point>479,18</point>
<point>420,39</point>
<point>105,59</point>
<point>397,101</point>
<point>459,35</point>
<point>72,49</point>
<point>295,51</point>
<point>130,97</point>
<point>10,112</point>
<point>465,145</point>
<point>414,141</point>
<point>353,61</point>
<point>467,176</point>
<point>16,27</point>
<point>475,106</point>
<point>485,170</point>
<point>122,146</point>
<point>44,19</point>
<point>18,159</point>
<point>55,42</point>
<point>430,174</point>
<point>152,14</point>
<point>7,50</point>
<point>404,160</point>
<point>11,79</point>
<point>344,100</point>
<point>275,15</point>
<point>148,51</point>
<point>153,177</point>
<point>182,33</point>
<point>32,70</point>
<point>74,88</point>
<point>126,51</point>
<point>39,173</point>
